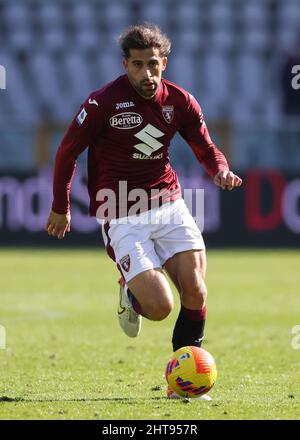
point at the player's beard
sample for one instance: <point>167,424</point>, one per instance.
<point>143,90</point>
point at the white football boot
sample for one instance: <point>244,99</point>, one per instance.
<point>129,320</point>
<point>172,395</point>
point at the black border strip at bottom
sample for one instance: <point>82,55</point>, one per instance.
<point>107,429</point>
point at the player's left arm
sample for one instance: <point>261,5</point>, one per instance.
<point>195,132</point>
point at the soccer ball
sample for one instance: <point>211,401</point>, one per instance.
<point>191,372</point>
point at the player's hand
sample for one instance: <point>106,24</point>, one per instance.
<point>58,224</point>
<point>226,179</point>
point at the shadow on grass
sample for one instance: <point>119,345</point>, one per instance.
<point>127,400</point>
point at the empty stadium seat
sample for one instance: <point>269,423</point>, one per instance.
<point>221,15</point>
<point>222,40</point>
<point>188,41</point>
<point>50,14</point>
<point>155,12</point>
<point>181,70</point>
<point>255,13</point>
<point>286,38</point>
<point>250,88</point>
<point>82,14</point>
<point>16,14</point>
<point>188,15</point>
<point>256,40</point>
<point>54,39</point>
<point>116,14</point>
<point>217,76</point>
<point>18,92</point>
<point>47,86</point>
<point>20,39</point>
<point>108,66</point>
<point>288,12</point>
<point>86,39</point>
<point>78,76</point>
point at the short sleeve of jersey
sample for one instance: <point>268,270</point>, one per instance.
<point>89,121</point>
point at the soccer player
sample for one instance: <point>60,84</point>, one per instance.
<point>127,126</point>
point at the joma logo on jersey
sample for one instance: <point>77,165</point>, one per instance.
<point>126,120</point>
<point>124,105</point>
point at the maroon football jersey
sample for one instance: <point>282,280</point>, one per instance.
<point>128,140</point>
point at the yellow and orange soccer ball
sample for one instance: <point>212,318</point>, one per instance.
<point>191,372</point>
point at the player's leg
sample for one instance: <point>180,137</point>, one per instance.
<point>181,249</point>
<point>148,294</point>
<point>187,271</point>
<point>144,289</point>
<point>152,294</point>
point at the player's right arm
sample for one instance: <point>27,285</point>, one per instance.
<point>81,132</point>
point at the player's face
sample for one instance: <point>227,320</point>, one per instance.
<point>144,68</point>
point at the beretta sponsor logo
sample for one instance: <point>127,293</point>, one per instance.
<point>126,120</point>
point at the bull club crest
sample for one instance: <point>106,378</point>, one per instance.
<point>168,113</point>
<point>125,263</point>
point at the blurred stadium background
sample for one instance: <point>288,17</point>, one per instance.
<point>235,56</point>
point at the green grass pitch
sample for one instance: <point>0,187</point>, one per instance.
<point>66,357</point>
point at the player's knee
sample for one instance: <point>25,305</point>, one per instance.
<point>201,293</point>
<point>196,294</point>
<point>159,310</point>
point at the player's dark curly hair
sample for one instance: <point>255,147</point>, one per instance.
<point>144,36</point>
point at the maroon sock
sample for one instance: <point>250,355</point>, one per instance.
<point>194,315</point>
